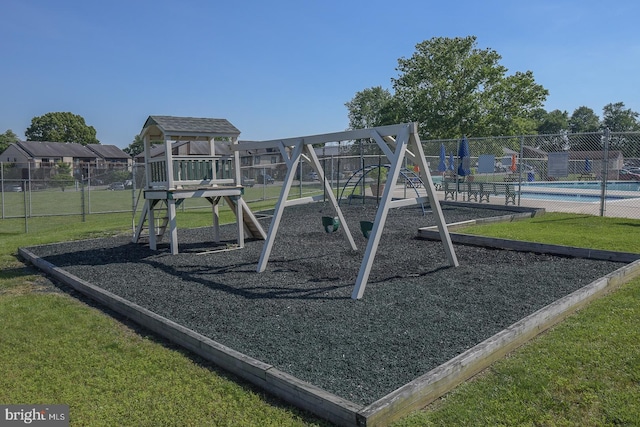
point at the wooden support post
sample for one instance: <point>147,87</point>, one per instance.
<point>216,219</point>
<point>292,165</point>
<point>153,241</point>
<point>315,163</point>
<point>239,221</point>
<point>143,217</point>
<point>381,215</point>
<point>173,226</point>
<point>414,141</point>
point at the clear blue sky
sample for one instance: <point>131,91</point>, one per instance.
<point>286,68</point>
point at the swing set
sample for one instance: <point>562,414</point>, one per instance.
<point>397,142</point>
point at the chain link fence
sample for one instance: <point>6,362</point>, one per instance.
<point>67,189</point>
<point>590,173</point>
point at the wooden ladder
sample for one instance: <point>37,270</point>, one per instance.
<point>161,214</point>
<point>251,224</point>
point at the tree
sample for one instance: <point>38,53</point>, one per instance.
<point>367,107</point>
<point>7,139</point>
<point>452,88</point>
<point>136,147</point>
<point>61,127</point>
<point>511,105</point>
<point>583,120</point>
<point>554,122</point>
<point>63,177</point>
<point>617,119</point>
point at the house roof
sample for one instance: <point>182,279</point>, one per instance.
<point>108,151</point>
<point>55,149</point>
<point>189,127</point>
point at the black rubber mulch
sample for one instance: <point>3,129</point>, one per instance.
<point>417,312</point>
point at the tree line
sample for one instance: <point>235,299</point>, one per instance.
<point>54,127</point>
<point>451,88</point>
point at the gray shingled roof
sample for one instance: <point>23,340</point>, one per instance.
<point>55,149</point>
<point>192,125</point>
<point>108,151</point>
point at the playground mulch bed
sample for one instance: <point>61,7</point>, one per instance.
<point>416,313</point>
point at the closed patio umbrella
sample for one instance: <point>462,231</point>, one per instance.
<point>442,165</point>
<point>464,167</point>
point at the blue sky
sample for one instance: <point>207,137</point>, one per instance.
<point>286,68</point>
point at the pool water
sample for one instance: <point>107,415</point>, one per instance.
<point>583,198</point>
<point>531,190</point>
<point>588,185</point>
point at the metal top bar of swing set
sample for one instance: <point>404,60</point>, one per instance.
<point>348,135</point>
<point>394,141</point>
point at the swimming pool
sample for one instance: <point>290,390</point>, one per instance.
<point>585,192</point>
<point>567,197</point>
<point>586,185</point>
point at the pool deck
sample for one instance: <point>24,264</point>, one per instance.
<point>622,208</point>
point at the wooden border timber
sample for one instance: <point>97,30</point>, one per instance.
<point>468,239</point>
<point>410,397</point>
<point>425,389</point>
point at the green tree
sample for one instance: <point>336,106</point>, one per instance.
<point>618,119</point>
<point>554,122</point>
<point>7,139</point>
<point>136,147</point>
<point>452,88</point>
<point>510,106</point>
<point>63,177</point>
<point>61,127</point>
<point>367,107</point>
<point>584,119</point>
<point>584,125</point>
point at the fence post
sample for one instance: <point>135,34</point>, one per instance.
<point>82,200</point>
<point>29,187</point>
<point>89,187</point>
<point>521,166</point>
<point>24,197</point>
<point>2,186</point>
<point>605,172</point>
<point>300,177</point>
<point>264,183</point>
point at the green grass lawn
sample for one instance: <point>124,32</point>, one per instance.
<point>58,349</point>
<point>70,202</point>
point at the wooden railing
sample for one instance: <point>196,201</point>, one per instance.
<point>193,170</point>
